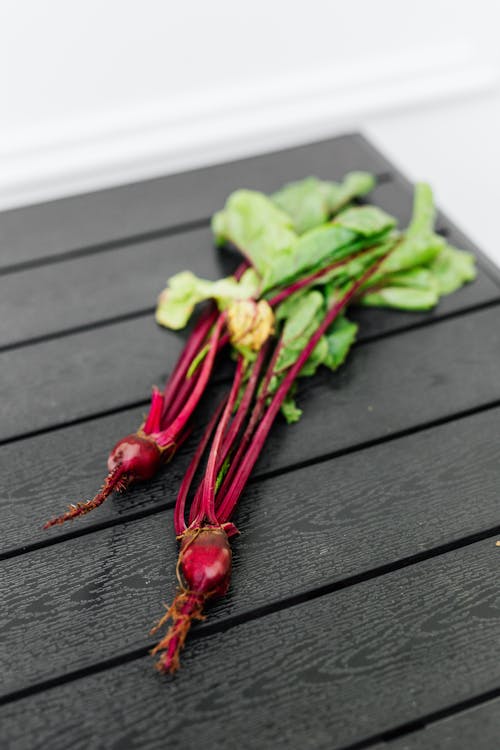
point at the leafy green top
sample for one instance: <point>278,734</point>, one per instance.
<point>309,227</point>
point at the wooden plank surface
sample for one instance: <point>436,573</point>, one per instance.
<point>477,727</point>
<point>364,602</point>
<point>369,651</point>
<point>90,289</point>
<point>145,208</point>
<point>336,520</point>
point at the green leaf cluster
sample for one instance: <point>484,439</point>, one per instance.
<point>308,226</point>
<point>423,266</point>
<point>312,202</point>
<point>265,235</point>
<point>302,315</point>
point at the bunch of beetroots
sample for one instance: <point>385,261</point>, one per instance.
<point>308,255</point>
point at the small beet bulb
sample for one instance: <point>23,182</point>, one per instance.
<point>203,572</point>
<point>135,456</point>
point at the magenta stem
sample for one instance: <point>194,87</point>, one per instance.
<point>233,493</point>
<point>180,505</point>
<point>192,348</point>
<point>242,412</point>
<point>194,344</point>
<point>252,424</point>
<point>207,507</point>
<point>307,280</point>
<point>180,421</point>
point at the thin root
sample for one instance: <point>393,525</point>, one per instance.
<point>115,482</point>
<point>185,608</point>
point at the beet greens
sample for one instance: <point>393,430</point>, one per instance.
<point>308,253</point>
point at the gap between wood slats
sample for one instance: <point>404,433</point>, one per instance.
<point>102,247</point>
<point>388,740</point>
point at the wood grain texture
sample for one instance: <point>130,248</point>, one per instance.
<point>477,728</point>
<point>87,290</point>
<point>368,399</point>
<point>326,673</point>
<point>49,229</point>
<point>300,531</point>
<point>126,280</point>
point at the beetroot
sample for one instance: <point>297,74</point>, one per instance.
<point>203,572</point>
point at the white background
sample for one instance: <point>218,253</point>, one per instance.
<point>98,93</point>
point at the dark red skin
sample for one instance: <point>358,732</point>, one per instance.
<point>205,561</point>
<point>204,571</point>
<point>139,457</point>
<point>134,458</point>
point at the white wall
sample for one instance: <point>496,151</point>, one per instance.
<point>95,93</point>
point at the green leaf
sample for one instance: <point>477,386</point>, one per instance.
<point>264,235</point>
<point>306,203</point>
<point>403,298</point>
<point>354,185</point>
<point>331,350</point>
<point>419,245</point>
<point>290,410</point>
<point>414,278</point>
<point>420,288</point>
<point>353,269</point>
<point>256,226</point>
<point>311,202</point>
<point>367,221</point>
<point>452,268</point>
<point>339,339</point>
<point>351,232</point>
<point>185,290</point>
<point>302,321</point>
<point>316,358</point>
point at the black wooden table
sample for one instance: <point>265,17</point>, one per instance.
<point>364,609</point>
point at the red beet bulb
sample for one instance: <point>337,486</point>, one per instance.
<point>203,572</point>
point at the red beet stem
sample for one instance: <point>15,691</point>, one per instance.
<point>179,521</point>
<point>187,386</point>
<point>178,425</point>
<point>250,429</point>
<point>194,344</point>
<point>242,411</point>
<point>207,507</point>
<point>233,493</point>
<point>307,280</point>
<point>153,420</point>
